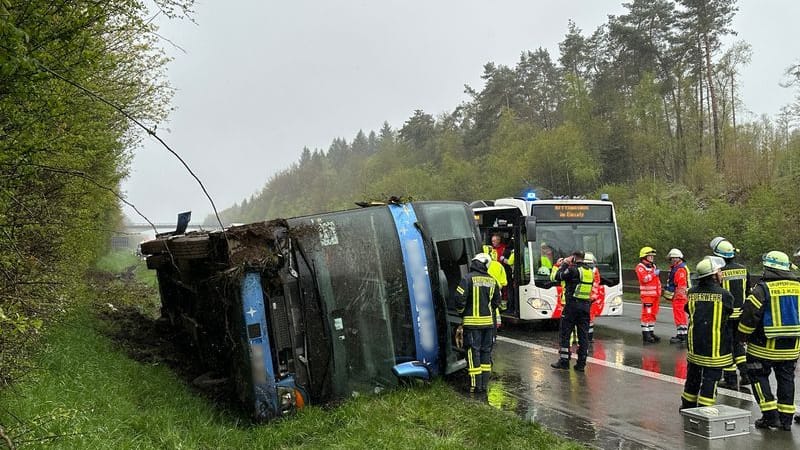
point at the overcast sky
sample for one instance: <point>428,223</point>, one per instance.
<point>259,80</point>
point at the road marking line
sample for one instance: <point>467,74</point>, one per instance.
<point>624,368</point>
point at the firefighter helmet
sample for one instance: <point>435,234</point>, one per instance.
<point>723,248</point>
<point>646,251</point>
<point>709,266</point>
<point>589,258</point>
<point>776,260</point>
<point>716,241</point>
<point>675,253</point>
<point>482,258</point>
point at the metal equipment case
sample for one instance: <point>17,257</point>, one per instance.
<point>714,422</point>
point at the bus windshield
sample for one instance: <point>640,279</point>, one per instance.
<point>558,240</point>
<point>358,266</point>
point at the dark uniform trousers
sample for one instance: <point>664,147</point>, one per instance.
<point>739,351</point>
<point>758,370</point>
<point>702,380</point>
<point>479,343</point>
<point>574,315</point>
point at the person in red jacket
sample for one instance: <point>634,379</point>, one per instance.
<point>649,291</point>
<point>678,285</point>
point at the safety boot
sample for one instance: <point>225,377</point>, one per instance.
<point>562,363</point>
<point>786,421</point>
<point>677,339</point>
<point>769,419</point>
<point>580,366</point>
<point>647,338</point>
<point>654,337</point>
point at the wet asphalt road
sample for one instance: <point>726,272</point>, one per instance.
<point>628,398</point>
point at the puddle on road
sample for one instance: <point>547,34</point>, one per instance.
<point>509,393</point>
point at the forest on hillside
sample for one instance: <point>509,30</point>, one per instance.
<point>645,108</point>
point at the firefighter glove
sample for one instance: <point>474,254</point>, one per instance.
<point>460,337</point>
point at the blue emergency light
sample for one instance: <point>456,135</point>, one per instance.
<point>530,195</point>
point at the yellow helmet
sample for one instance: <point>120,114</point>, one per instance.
<point>776,260</point>
<point>645,251</point>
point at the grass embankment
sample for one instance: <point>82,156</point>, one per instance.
<point>89,393</point>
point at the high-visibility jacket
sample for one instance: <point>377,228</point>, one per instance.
<point>494,252</point>
<point>771,318</point>
<point>498,272</point>
<point>709,307</point>
<point>678,282</point>
<point>562,300</point>
<point>736,279</point>
<point>477,297</point>
<point>578,281</point>
<point>649,283</point>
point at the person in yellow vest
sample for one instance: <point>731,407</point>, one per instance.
<point>545,260</point>
<point>578,280</point>
<point>770,323</point>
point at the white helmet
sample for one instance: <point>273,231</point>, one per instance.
<point>589,258</point>
<point>709,266</point>
<point>675,253</point>
<point>482,258</point>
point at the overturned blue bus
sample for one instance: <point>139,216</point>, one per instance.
<point>311,309</point>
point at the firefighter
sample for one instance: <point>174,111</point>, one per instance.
<point>708,352</point>
<point>598,294</point>
<point>649,291</point>
<point>770,323</point>
<point>678,284</point>
<point>578,279</point>
<point>736,279</point>
<point>477,297</point>
<point>498,272</point>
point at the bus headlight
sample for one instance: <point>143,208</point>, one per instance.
<point>616,301</point>
<point>538,303</point>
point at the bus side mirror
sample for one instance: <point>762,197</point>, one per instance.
<point>411,370</point>
<point>530,228</point>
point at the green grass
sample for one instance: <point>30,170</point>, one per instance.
<point>87,393</point>
<point>122,260</point>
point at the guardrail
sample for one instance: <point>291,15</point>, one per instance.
<point>630,283</point>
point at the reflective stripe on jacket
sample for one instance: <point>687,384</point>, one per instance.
<point>709,306</point>
<point>770,317</point>
<point>736,280</point>
<point>477,297</point>
<point>649,283</point>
